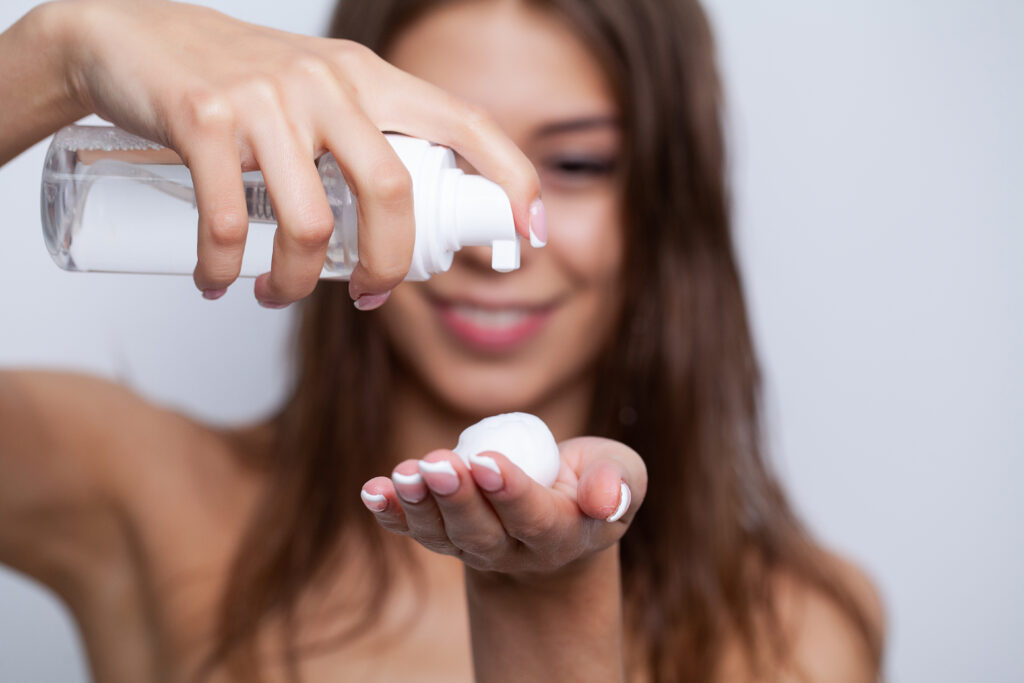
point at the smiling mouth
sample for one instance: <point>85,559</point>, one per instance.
<point>491,327</point>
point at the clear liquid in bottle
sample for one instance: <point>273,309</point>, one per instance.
<point>115,202</point>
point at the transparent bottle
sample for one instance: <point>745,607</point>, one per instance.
<point>114,202</point>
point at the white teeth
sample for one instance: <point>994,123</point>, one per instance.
<point>498,319</point>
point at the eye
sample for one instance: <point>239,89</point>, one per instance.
<point>581,166</point>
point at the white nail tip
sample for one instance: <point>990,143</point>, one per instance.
<point>484,461</point>
<point>407,479</point>
<point>534,241</point>
<point>439,466</point>
<point>624,499</point>
<point>372,497</point>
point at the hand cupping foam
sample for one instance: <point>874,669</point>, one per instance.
<point>522,438</point>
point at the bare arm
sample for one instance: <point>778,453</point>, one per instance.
<point>70,448</point>
<point>50,489</point>
<point>34,89</point>
<point>226,96</point>
<point>568,629</point>
<point>542,564</point>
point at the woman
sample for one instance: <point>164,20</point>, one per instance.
<point>237,554</point>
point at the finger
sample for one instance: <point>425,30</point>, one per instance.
<point>421,513</point>
<point>406,104</point>
<point>469,521</point>
<point>216,169</point>
<point>380,498</point>
<point>304,219</point>
<point>528,511</point>
<point>383,189</point>
<point>604,494</point>
<point>612,477</point>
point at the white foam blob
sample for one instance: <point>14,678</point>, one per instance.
<point>522,438</point>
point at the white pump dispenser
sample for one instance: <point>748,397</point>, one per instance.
<point>112,201</point>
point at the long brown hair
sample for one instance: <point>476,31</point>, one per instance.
<point>679,382</point>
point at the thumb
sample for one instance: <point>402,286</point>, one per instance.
<point>612,478</point>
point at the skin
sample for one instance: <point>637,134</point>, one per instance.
<point>517,576</point>
<point>227,95</point>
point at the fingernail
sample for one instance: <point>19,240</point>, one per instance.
<point>538,224</point>
<point>368,302</point>
<point>409,486</point>
<point>488,476</point>
<point>377,502</point>
<point>214,294</point>
<point>271,304</point>
<point>440,476</point>
<point>624,499</point>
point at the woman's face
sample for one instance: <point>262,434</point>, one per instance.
<point>485,342</point>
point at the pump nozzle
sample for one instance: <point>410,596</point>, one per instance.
<point>483,217</point>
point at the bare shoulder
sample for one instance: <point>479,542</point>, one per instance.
<point>824,642</point>
<point>74,450</point>
<point>827,644</point>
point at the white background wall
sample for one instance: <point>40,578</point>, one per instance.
<point>878,162</point>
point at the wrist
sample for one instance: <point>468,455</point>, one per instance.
<point>568,623</point>
<point>601,568</point>
<point>58,24</point>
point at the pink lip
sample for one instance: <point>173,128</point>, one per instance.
<point>492,338</point>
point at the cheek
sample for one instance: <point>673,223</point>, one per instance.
<point>586,237</point>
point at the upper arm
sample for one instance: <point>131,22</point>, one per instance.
<point>58,435</point>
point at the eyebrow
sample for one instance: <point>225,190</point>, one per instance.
<point>576,125</point>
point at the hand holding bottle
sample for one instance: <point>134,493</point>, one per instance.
<point>229,96</point>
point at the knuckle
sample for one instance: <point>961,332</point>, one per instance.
<point>227,227</point>
<point>314,231</point>
<point>312,67</point>
<point>260,93</point>
<point>350,55</point>
<point>390,183</point>
<point>205,110</point>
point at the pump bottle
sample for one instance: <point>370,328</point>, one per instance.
<point>114,202</point>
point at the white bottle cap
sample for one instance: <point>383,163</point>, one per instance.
<point>454,210</point>
<point>483,217</point>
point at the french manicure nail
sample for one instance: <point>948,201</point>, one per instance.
<point>442,477</point>
<point>271,305</point>
<point>214,294</point>
<point>368,302</point>
<point>488,482</point>
<point>410,487</point>
<point>377,502</point>
<point>538,224</point>
<point>624,499</point>
<point>440,466</point>
<point>407,479</point>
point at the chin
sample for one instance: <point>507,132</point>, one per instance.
<point>478,393</point>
